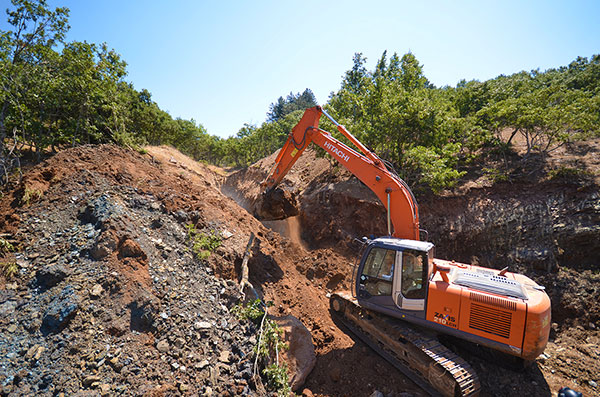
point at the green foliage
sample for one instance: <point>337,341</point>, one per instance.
<point>496,175</point>
<point>271,341</point>
<point>568,174</point>
<point>203,243</point>
<point>78,95</point>
<point>436,169</point>
<point>397,113</point>
<point>6,246</point>
<point>428,133</point>
<point>293,102</point>
<point>268,346</point>
<point>545,109</point>
<point>9,269</point>
<point>253,143</point>
<point>252,311</point>
<point>277,379</point>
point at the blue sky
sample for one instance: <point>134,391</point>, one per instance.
<point>223,62</point>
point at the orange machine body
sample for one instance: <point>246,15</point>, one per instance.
<point>519,326</point>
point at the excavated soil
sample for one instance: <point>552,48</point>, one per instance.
<point>108,298</point>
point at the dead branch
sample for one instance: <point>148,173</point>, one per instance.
<point>244,282</point>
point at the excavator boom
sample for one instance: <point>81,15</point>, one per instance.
<point>395,195</point>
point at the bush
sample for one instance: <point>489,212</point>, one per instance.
<point>568,174</point>
<point>203,243</point>
<point>433,168</point>
<point>268,346</point>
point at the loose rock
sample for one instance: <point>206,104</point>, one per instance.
<point>96,291</point>
<point>224,356</point>
<point>60,311</point>
<point>50,276</point>
<point>163,346</point>
<point>89,380</point>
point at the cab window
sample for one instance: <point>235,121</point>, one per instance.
<point>414,267</point>
<point>378,271</point>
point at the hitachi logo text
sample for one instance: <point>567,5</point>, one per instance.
<point>329,146</point>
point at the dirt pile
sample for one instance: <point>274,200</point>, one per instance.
<point>109,299</point>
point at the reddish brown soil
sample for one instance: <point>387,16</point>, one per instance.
<point>296,280</point>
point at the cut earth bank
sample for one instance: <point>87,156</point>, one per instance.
<point>109,299</point>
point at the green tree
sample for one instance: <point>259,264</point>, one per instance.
<point>411,73</point>
<point>283,107</point>
<point>24,50</point>
<point>396,111</point>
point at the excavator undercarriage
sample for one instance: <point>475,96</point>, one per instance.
<point>416,353</point>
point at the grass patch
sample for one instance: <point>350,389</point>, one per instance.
<point>496,175</point>
<point>568,173</point>
<point>9,269</point>
<point>31,195</point>
<point>6,246</point>
<point>203,243</point>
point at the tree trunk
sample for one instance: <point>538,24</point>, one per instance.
<point>3,127</point>
<point>512,136</point>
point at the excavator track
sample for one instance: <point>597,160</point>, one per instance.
<point>418,354</point>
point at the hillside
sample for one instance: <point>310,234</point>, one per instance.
<point>109,299</point>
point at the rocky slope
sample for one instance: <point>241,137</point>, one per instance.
<point>109,299</point>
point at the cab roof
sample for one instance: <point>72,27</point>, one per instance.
<point>402,244</point>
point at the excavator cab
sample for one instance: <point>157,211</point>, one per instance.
<point>392,276</point>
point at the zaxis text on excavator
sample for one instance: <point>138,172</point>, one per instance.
<point>399,278</point>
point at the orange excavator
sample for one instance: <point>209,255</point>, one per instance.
<point>403,299</point>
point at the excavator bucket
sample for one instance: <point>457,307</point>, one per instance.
<point>275,204</point>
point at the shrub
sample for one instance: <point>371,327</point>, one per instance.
<point>203,243</point>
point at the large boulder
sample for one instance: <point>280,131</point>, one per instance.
<point>300,356</point>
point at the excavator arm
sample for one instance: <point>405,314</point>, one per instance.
<point>393,192</point>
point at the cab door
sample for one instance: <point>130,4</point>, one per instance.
<point>410,280</point>
<point>376,281</point>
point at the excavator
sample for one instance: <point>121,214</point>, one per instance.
<point>403,299</point>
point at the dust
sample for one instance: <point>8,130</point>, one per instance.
<point>289,228</point>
